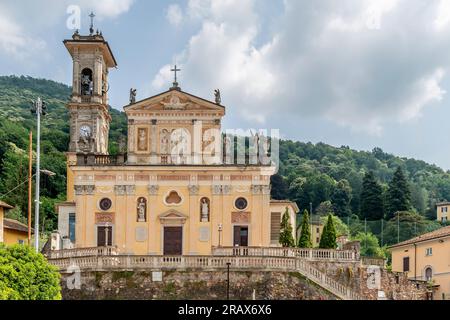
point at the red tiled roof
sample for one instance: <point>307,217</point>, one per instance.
<point>15,225</point>
<point>439,233</point>
<point>5,205</point>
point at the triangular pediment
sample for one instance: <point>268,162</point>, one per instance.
<point>174,100</point>
<point>172,214</point>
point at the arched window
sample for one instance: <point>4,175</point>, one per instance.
<point>87,85</point>
<point>429,274</point>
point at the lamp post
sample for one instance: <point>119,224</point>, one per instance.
<point>39,108</point>
<point>228,280</point>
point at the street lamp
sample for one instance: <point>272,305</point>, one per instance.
<point>39,108</point>
<point>228,280</point>
<point>48,173</point>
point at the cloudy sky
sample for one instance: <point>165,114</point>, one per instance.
<point>362,73</point>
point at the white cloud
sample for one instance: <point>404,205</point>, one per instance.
<point>359,63</point>
<point>14,41</point>
<point>443,15</point>
<point>107,8</point>
<point>174,15</point>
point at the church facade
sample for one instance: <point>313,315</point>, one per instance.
<point>179,189</point>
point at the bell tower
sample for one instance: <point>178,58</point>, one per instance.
<point>89,115</point>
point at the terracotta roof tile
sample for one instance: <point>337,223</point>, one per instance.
<point>15,225</point>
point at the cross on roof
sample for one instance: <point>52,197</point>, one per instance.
<point>92,16</point>
<point>175,70</point>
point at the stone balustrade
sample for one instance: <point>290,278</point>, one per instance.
<point>241,262</point>
<point>82,252</point>
<point>369,261</point>
<point>308,254</point>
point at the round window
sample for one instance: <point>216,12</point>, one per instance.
<point>241,203</point>
<point>105,204</point>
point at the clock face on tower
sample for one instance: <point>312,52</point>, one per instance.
<point>85,131</point>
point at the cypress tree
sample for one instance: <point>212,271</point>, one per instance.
<point>399,194</point>
<point>305,237</point>
<point>341,198</point>
<point>286,238</point>
<point>328,239</point>
<point>371,198</point>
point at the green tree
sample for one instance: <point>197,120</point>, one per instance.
<point>341,228</point>
<point>398,195</point>
<point>371,198</point>
<point>370,246</point>
<point>279,189</point>
<point>286,237</point>
<point>26,275</point>
<point>325,209</point>
<point>14,177</point>
<point>341,198</point>
<point>305,236</point>
<point>328,239</point>
<point>407,225</point>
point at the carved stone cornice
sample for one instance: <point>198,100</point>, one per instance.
<point>256,189</point>
<point>217,189</point>
<point>226,189</point>
<point>153,190</point>
<point>260,189</point>
<point>122,190</point>
<point>266,190</point>
<point>222,189</point>
<point>193,190</point>
<point>81,190</point>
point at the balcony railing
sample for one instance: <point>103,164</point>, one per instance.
<point>101,160</point>
<point>266,263</point>
<point>83,252</point>
<point>308,254</point>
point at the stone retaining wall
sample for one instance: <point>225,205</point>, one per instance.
<point>194,285</point>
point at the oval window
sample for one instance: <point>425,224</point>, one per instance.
<point>241,203</point>
<point>105,204</point>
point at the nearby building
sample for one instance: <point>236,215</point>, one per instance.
<point>11,231</point>
<point>179,189</point>
<point>316,229</point>
<point>443,210</point>
<point>15,232</point>
<point>277,210</point>
<point>426,258</point>
<point>3,206</point>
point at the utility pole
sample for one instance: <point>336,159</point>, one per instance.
<point>311,220</point>
<point>39,108</point>
<point>30,182</point>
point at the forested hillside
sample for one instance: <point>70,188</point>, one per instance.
<point>329,178</point>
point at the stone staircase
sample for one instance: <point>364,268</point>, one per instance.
<point>321,279</point>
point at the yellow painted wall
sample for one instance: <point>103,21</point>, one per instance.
<point>439,261</point>
<point>12,237</point>
<point>316,234</point>
<point>124,208</point>
<point>443,212</point>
